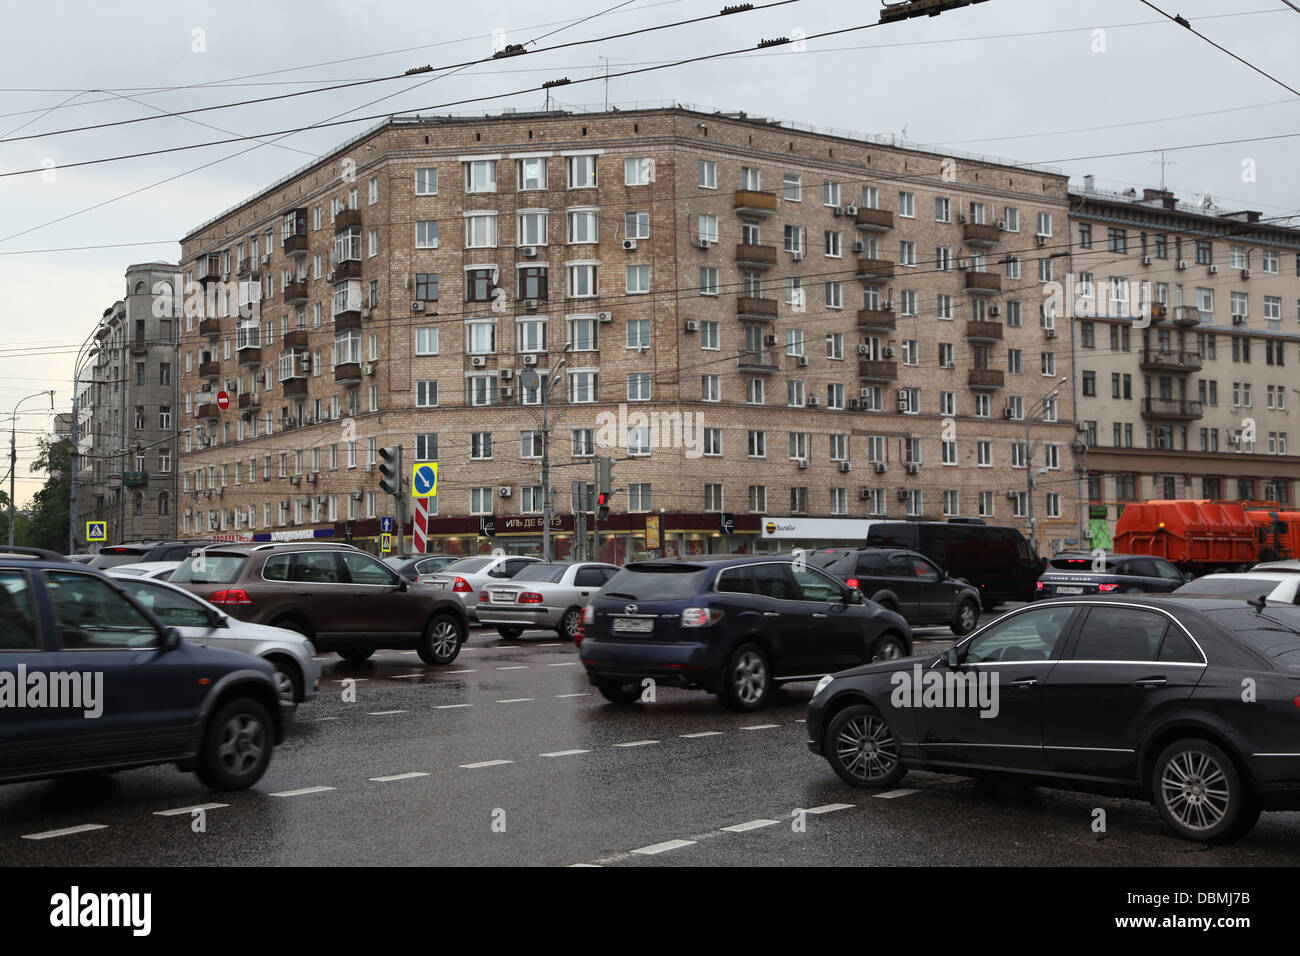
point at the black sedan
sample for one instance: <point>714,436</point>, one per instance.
<point>1190,702</point>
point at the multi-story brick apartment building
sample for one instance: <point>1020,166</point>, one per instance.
<point>1194,401</point>
<point>847,323</point>
<point>126,413</point>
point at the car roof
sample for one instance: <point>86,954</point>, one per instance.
<point>248,549</point>
<point>1109,555</point>
<point>1166,602</point>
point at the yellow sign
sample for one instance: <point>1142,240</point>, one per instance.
<point>424,480</point>
<point>96,530</point>
<point>652,533</point>
<point>386,543</point>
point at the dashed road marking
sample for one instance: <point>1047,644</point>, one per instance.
<point>466,671</point>
<point>301,792</point>
<point>564,664</point>
<point>636,743</point>
<point>572,695</point>
<point>385,713</point>
<point>594,866</point>
<point>66,831</point>
<point>514,667</point>
<point>702,733</point>
<point>400,776</point>
<point>515,700</point>
<point>829,808</point>
<point>321,718</point>
<point>557,644</point>
<point>891,794</point>
<point>451,706</point>
<point>564,753</point>
<point>416,674</point>
<point>357,680</point>
<point>664,847</point>
<point>182,811</point>
<point>760,727</point>
<point>751,825</point>
<point>484,763</point>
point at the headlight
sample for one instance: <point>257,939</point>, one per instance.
<point>823,684</point>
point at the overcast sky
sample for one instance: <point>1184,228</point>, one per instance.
<point>1028,80</point>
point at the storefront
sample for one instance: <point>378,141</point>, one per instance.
<point>785,534</point>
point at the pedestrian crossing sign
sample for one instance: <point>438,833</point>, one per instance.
<point>96,530</point>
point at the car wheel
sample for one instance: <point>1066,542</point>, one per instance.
<point>888,605</point>
<point>747,679</point>
<point>442,640</point>
<point>1200,794</point>
<point>967,616</point>
<point>571,623</point>
<point>355,655</point>
<point>288,682</point>
<point>236,746</point>
<point>890,647</point>
<point>860,746</point>
<point>619,692</point>
<point>510,630</point>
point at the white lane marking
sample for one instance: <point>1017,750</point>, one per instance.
<point>703,733</point>
<point>751,825</point>
<point>515,700</point>
<point>451,706</point>
<point>572,695</point>
<point>181,811</point>
<point>416,674</point>
<point>564,753</point>
<point>484,763</point>
<point>829,808</point>
<point>557,644</point>
<point>66,831</point>
<point>595,866</point>
<point>801,721</point>
<point>636,743</point>
<point>564,664</point>
<point>385,713</point>
<point>323,718</point>
<point>400,776</point>
<point>299,793</point>
<point>469,670</point>
<point>663,847</point>
<point>514,667</point>
<point>760,727</point>
<point>891,794</point>
<point>358,680</point>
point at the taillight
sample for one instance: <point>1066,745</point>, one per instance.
<point>530,597</point>
<point>1040,585</point>
<point>852,582</point>
<point>463,586</point>
<point>233,596</point>
<point>1108,587</point>
<point>482,597</point>
<point>588,615</point>
<point>1296,701</point>
<point>700,616</point>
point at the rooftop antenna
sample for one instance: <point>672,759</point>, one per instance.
<point>606,60</point>
<point>1163,161</point>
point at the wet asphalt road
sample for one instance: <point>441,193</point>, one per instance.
<point>509,757</point>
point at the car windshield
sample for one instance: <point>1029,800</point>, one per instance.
<point>655,582</point>
<point>466,565</point>
<point>209,569</point>
<point>542,572</point>
<point>1273,631</point>
<point>1251,587</point>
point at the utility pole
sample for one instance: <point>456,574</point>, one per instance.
<point>13,453</point>
<point>547,509</point>
<point>595,515</point>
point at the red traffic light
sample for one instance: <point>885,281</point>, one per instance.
<point>603,499</point>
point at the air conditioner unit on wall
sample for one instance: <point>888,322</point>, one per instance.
<point>881,468</point>
<point>417,306</point>
<point>864,494</point>
<point>801,462</point>
<point>846,466</point>
<point>629,245</point>
<point>902,494</point>
<point>604,316</point>
<point>505,491</point>
<point>530,359</point>
<point>913,468</point>
<point>692,325</point>
<point>478,361</point>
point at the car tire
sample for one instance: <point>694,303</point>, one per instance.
<point>746,682</point>
<point>1200,794</point>
<point>294,624</point>
<point>619,692</point>
<point>889,647</point>
<point>288,680</point>
<point>861,748</point>
<point>443,638</point>
<point>888,604</point>
<point>570,623</point>
<point>967,617</point>
<point>510,631</point>
<point>355,655</point>
<point>237,746</point>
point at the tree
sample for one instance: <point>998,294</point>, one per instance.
<point>45,523</point>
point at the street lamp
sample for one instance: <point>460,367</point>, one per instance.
<point>13,452</point>
<point>1039,406</point>
<point>546,452</point>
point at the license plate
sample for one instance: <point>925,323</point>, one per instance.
<point>633,625</point>
<point>503,597</point>
<point>1061,590</point>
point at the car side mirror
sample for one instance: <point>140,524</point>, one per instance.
<point>954,657</point>
<point>402,584</point>
<point>1187,576</point>
<point>855,596</point>
<point>171,640</point>
<point>216,619</point>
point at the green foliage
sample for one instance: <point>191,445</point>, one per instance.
<point>45,523</point>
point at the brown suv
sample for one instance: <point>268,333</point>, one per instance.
<point>337,595</point>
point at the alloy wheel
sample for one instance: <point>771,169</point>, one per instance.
<point>750,677</point>
<point>1195,789</point>
<point>866,749</point>
<point>242,742</point>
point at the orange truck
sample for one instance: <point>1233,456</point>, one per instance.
<point>1207,536</point>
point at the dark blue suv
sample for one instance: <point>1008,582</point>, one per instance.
<point>735,626</point>
<point>91,681</point>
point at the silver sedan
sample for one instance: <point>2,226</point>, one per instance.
<point>464,578</point>
<point>549,595</point>
<point>297,673</point>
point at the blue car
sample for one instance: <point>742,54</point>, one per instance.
<point>91,680</point>
<point>733,625</point>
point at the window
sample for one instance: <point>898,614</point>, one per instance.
<point>710,388</point>
<point>757,444</point>
<point>708,174</point>
<point>426,234</point>
<point>799,500</point>
<point>943,306</point>
<point>984,453</point>
<point>835,395</point>
<point>1089,381</point>
<point>948,403</point>
<point>708,227</point>
<point>531,172</point>
<point>906,253</point>
<point>582,386</point>
<point>583,333</point>
<point>907,205</point>
<point>533,282</point>
<point>638,172</point>
<point>638,440</point>
<point>636,225</point>
<point>708,334</point>
<point>1116,240</point>
<point>713,441</point>
<point>531,229</point>
<point>1044,224</point>
<point>480,230</point>
<point>830,194</point>
<point>426,446</point>
<point>754,391</point>
<point>583,279</point>
<point>481,176</point>
<point>638,333</point>
<point>948,452</point>
<point>426,181</point>
<point>749,177</point>
<point>942,209</point>
<point>794,236</point>
<point>638,280</point>
<point>638,497</point>
<point>638,387</point>
<point>794,396</point>
<point>835,345</point>
<point>480,337</point>
<point>1015,361</point>
<point>531,335</point>
<point>482,389</point>
<point>426,394</point>
<point>792,188</point>
<point>1204,252</point>
<point>709,281</point>
<point>582,172</point>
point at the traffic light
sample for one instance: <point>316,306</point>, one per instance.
<point>605,484</point>
<point>602,505</point>
<point>391,468</point>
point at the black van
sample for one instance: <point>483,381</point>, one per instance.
<point>995,559</point>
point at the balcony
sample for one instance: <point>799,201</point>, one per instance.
<point>754,203</point>
<point>295,341</point>
<point>980,235</point>
<point>764,362</point>
<point>755,256</point>
<point>875,270</point>
<point>874,220</point>
<point>139,346</point>
<point>347,373</point>
<point>295,387</point>
<point>877,320</point>
<point>761,310</point>
<point>977,331</point>
<point>347,219</point>
<point>983,283</point>
<point>208,410</point>
<point>135,479</point>
<point>347,269</point>
<point>250,355</point>
<point>985,379</point>
<point>208,269</point>
<point>295,245</point>
<point>248,400</point>
<point>347,320</point>
<point>209,370</point>
<point>210,327</point>
<point>1155,360</point>
<point>1186,316</point>
<point>870,370</point>
<point>1172,408</point>
<point>295,292</point>
<point>249,267</point>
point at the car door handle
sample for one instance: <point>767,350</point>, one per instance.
<point>771,614</point>
<point>1024,682</point>
<point>1150,682</point>
<point>818,614</point>
<point>583,593</point>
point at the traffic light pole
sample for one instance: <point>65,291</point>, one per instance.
<point>399,503</point>
<point>595,515</point>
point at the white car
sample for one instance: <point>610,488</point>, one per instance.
<point>297,673</point>
<point>465,578</point>
<point>1283,586</point>
<point>160,570</point>
<point>548,595</point>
